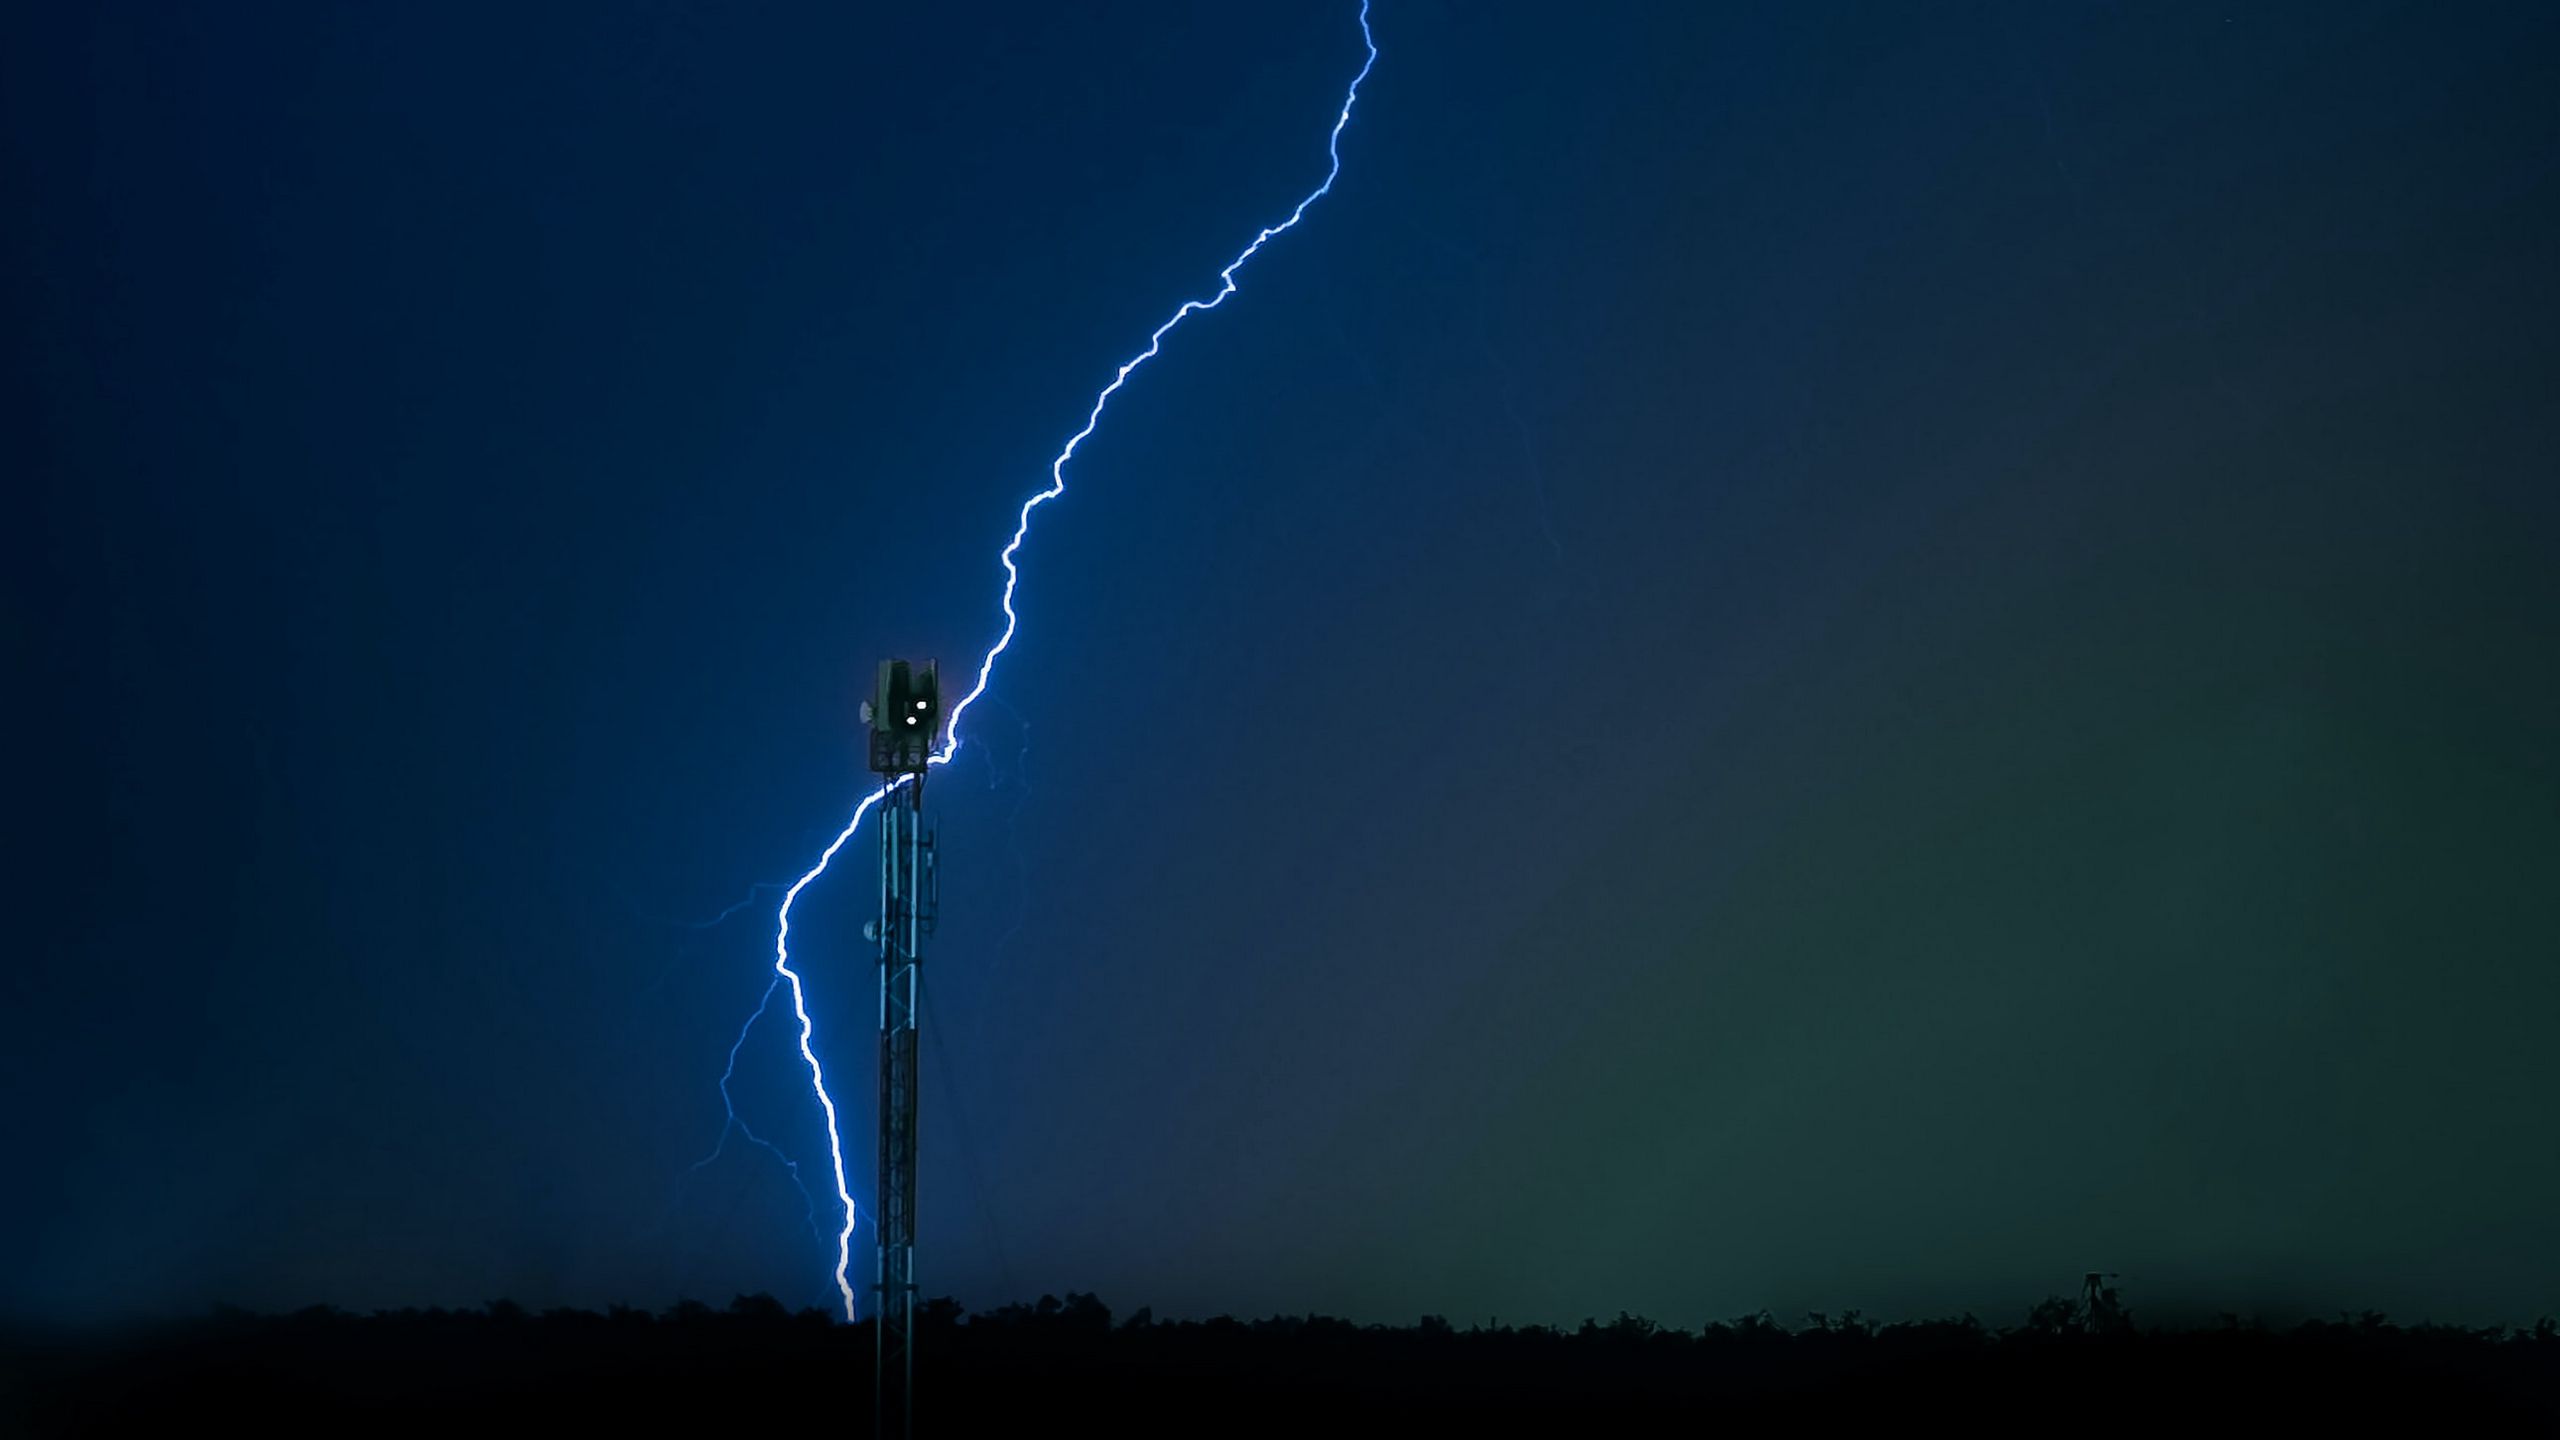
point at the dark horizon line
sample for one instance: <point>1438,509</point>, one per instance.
<point>1081,1311</point>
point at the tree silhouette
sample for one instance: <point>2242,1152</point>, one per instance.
<point>757,1365</point>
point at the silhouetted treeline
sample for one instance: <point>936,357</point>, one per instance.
<point>1071,1362</point>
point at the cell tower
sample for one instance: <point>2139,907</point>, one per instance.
<point>904,714</point>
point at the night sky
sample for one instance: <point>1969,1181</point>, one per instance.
<point>1792,655</point>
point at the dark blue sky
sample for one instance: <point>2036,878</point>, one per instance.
<point>1790,656</point>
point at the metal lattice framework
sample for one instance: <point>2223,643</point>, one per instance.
<point>906,918</point>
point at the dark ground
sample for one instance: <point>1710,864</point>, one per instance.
<point>755,1367</point>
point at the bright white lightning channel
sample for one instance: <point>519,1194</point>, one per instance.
<point>1012,576</point>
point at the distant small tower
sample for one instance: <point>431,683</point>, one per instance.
<point>2101,1309</point>
<point>904,715</point>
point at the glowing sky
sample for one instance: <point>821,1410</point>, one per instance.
<point>1796,659</point>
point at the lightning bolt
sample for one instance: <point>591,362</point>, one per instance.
<point>1056,487</point>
